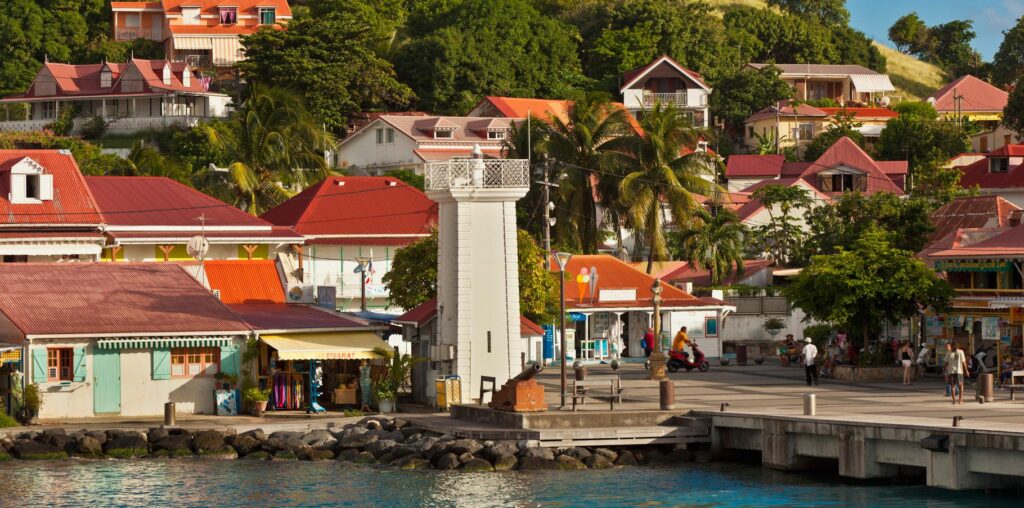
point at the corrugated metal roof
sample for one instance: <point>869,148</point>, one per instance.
<point>282,316</point>
<point>971,212</point>
<point>245,281</point>
<point>978,95</point>
<point>72,201</point>
<point>110,298</point>
<point>616,274</point>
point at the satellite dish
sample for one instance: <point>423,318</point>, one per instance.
<point>886,100</point>
<point>197,247</point>
<point>295,293</point>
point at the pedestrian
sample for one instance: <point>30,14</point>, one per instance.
<point>648,343</point>
<point>784,352</point>
<point>956,367</point>
<point>807,357</point>
<point>906,355</point>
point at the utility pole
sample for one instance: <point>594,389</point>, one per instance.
<point>957,108</point>
<point>549,207</point>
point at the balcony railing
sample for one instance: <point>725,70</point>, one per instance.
<point>760,305</point>
<point>676,99</point>
<point>478,173</point>
<point>988,293</point>
<point>130,34</point>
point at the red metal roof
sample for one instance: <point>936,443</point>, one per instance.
<point>702,278</point>
<point>616,274</point>
<point>72,201</point>
<point>274,234</point>
<point>528,328</point>
<point>359,206</point>
<point>110,298</point>
<point>282,316</point>
<point>787,109</point>
<point>845,152</point>
<point>743,166</point>
<point>972,212</point>
<point>159,201</point>
<point>639,71</point>
<point>389,241</point>
<point>1006,244</point>
<point>426,311</point>
<point>245,281</point>
<point>978,95</point>
<point>516,107</point>
<point>84,80</point>
<point>978,172</point>
<point>862,112</point>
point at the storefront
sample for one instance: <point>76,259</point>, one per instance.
<point>10,377</point>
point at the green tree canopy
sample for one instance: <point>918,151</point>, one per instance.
<point>909,33</point>
<point>463,51</point>
<point>332,55</point>
<point>747,92</point>
<point>868,285</point>
<point>914,137</point>
<point>1008,62</point>
<point>711,242</point>
<point>838,225</point>
<point>1013,113</point>
<point>782,237</point>
<point>828,12</point>
<point>843,124</point>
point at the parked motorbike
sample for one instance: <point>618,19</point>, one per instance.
<point>682,360</point>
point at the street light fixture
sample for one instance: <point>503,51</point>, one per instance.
<point>562,258</point>
<point>657,359</point>
<point>364,262</point>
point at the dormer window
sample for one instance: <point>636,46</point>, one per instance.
<point>999,164</point>
<point>268,15</point>
<point>189,15</point>
<point>186,77</point>
<point>495,134</point>
<point>228,15</point>
<point>443,133</point>
<point>167,74</point>
<point>105,78</point>
<point>29,184</point>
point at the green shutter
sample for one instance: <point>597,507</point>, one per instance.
<point>229,360</point>
<point>161,363</point>
<point>39,365</point>
<point>79,362</point>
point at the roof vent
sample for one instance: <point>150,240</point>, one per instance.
<point>390,183</point>
<point>339,183</point>
<point>64,151</point>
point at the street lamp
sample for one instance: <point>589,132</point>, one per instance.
<point>364,262</point>
<point>657,359</point>
<point>562,258</point>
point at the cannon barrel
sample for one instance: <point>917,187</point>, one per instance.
<point>529,372</point>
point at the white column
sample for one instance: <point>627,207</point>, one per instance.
<point>103,108</point>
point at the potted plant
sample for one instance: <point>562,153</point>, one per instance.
<point>773,326</point>
<point>385,393</point>
<point>257,399</point>
<point>398,369</point>
<point>31,402</point>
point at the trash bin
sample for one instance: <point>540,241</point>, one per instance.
<point>581,373</point>
<point>449,391</point>
<point>741,354</point>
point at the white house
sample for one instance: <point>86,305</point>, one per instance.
<point>399,141</point>
<point>666,81</point>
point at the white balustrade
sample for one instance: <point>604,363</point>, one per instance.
<point>478,173</point>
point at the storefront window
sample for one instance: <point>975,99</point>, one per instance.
<point>191,362</point>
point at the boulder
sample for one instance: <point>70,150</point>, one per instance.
<point>358,440</point>
<point>530,463</point>
<point>320,438</point>
<point>348,454</point>
<point>364,458</point>
<point>466,457</point>
<point>626,458</point>
<point>125,445</point>
<point>351,431</point>
<point>409,431</point>
<point>477,465</point>
<point>538,453</point>
<point>500,449</point>
<point>256,434</point>
<point>567,462</point>
<point>606,453</point>
<point>224,452</point>
<point>460,446</point>
<point>245,444</point>
<point>399,423</point>
<point>380,447</point>
<point>259,455</point>
<point>156,433</point>
<point>596,461</point>
<point>447,461</point>
<point>58,438</point>
<point>310,453</point>
<point>98,436</point>
<point>35,450</point>
<point>173,446</point>
<point>285,455</point>
<point>425,444</point>
<point>412,438</point>
<point>373,424</point>
<point>209,440</point>
<point>505,463</point>
<point>411,462</point>
<point>578,453</point>
<point>403,450</point>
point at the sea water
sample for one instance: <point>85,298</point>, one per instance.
<point>242,483</point>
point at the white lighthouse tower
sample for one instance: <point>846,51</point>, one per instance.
<point>478,270</point>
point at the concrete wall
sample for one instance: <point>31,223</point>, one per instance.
<point>741,327</point>
<point>334,265</point>
<point>68,401</point>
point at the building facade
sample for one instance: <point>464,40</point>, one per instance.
<point>798,124</point>
<point>968,97</point>
<point>849,85</point>
<point>665,81</point>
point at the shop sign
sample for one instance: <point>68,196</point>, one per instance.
<point>973,266</point>
<point>577,316</point>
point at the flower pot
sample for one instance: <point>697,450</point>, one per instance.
<point>724,361</point>
<point>259,407</point>
<point>386,406</point>
<point>773,331</point>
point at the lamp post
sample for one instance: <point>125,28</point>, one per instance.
<point>562,258</point>
<point>657,359</point>
<point>364,262</point>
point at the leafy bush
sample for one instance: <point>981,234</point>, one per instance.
<point>253,394</point>
<point>773,323</point>
<point>353,412</point>
<point>819,334</point>
<point>94,128</point>
<point>64,122</point>
<point>31,402</point>
<point>7,421</point>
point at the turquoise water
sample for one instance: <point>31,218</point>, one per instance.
<point>199,483</point>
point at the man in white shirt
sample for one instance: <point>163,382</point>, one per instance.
<point>807,357</point>
<point>956,368</point>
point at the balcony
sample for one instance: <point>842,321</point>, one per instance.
<point>130,34</point>
<point>677,99</point>
<point>478,174</point>
<point>121,125</point>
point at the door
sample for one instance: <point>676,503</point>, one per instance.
<point>106,381</point>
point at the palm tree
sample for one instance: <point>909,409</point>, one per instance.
<point>661,175</point>
<point>713,242</point>
<point>527,140</point>
<point>580,144</point>
<point>145,160</point>
<point>277,148</point>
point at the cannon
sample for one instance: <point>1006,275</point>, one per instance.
<point>521,394</point>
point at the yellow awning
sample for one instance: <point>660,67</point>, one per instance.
<point>325,346</point>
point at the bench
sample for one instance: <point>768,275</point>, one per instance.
<point>581,389</point>
<point>1016,382</point>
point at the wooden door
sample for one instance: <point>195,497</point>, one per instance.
<point>106,381</point>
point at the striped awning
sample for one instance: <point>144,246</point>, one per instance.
<point>163,342</point>
<point>186,42</point>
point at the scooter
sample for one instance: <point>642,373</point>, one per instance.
<point>681,359</point>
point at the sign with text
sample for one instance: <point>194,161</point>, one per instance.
<point>616,295</point>
<point>973,266</point>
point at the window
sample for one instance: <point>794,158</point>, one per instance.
<point>191,362</point>
<point>49,110</point>
<point>190,15</point>
<point>842,183</point>
<point>267,15</point>
<point>32,187</point>
<point>132,20</point>
<point>984,144</point>
<point>750,132</point>
<point>228,15</point>
<point>805,131</point>
<point>12,258</point>
<point>380,136</point>
<point>1007,139</point>
<point>999,164</point>
<point>495,134</point>
<point>390,135</point>
<point>58,364</point>
<point>105,78</point>
<point>442,134</point>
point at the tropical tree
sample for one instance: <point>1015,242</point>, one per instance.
<point>275,145</point>
<point>581,146</point>
<point>527,140</point>
<point>782,233</point>
<point>843,125</point>
<point>148,161</point>
<point>658,171</point>
<point>713,242</point>
<point>1008,62</point>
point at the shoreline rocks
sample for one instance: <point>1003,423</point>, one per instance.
<point>378,441</point>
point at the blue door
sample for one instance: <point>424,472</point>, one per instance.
<point>106,380</point>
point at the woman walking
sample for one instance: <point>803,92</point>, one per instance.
<point>906,355</point>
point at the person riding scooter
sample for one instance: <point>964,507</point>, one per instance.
<point>682,359</point>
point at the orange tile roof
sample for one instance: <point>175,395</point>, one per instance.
<point>244,281</point>
<point>211,6</point>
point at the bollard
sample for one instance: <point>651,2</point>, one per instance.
<point>668,394</point>
<point>724,405</point>
<point>169,416</point>
<point>581,373</point>
<point>810,404</point>
<point>956,420</point>
<point>987,389</point>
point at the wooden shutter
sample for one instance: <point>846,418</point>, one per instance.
<point>79,362</point>
<point>161,363</point>
<point>39,365</point>
<point>826,183</point>
<point>860,182</point>
<point>229,360</point>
